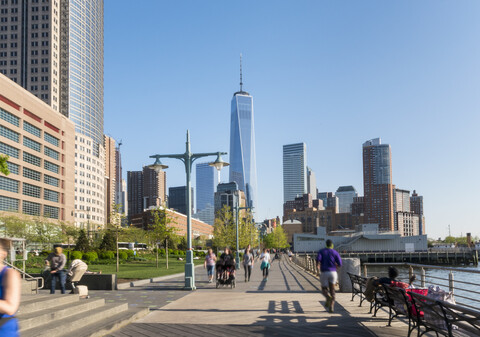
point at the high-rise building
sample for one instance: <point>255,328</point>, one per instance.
<point>110,176</point>
<point>294,171</point>
<point>40,146</point>
<point>154,187</point>
<point>134,192</point>
<point>206,183</point>
<point>311,182</point>
<point>177,199</point>
<point>54,49</point>
<point>377,184</point>
<point>120,198</point>
<point>243,165</point>
<point>229,195</point>
<point>345,195</point>
<point>329,200</point>
<point>416,206</point>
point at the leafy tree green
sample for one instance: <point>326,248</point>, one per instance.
<point>109,241</point>
<point>162,230</point>
<point>82,244</point>
<point>3,165</point>
<point>224,230</point>
<point>276,239</point>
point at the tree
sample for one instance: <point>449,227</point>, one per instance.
<point>4,165</point>
<point>276,239</point>
<point>161,230</point>
<point>82,243</point>
<point>116,219</point>
<point>224,228</point>
<point>109,242</point>
<point>70,233</point>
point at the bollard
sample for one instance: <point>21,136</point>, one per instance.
<point>423,278</point>
<point>410,273</point>
<point>450,282</point>
<point>365,271</point>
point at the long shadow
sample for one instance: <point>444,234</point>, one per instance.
<point>301,273</point>
<point>285,278</point>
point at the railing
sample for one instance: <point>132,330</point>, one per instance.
<point>307,262</point>
<point>27,276</point>
<point>462,282</point>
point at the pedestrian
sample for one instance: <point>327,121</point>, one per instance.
<point>9,294</point>
<point>75,273</point>
<point>328,260</point>
<point>265,265</point>
<point>210,260</point>
<point>57,261</point>
<point>248,263</point>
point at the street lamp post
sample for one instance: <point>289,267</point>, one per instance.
<point>237,255</point>
<point>188,158</point>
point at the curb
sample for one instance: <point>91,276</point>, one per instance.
<point>127,285</point>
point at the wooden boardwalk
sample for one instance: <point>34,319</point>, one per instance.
<point>288,304</point>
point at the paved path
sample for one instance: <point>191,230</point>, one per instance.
<point>288,304</point>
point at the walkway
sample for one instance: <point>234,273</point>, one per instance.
<point>288,304</point>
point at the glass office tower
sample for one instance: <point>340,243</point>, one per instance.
<point>243,166</point>
<point>294,171</point>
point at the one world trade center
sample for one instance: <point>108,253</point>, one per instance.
<point>243,165</point>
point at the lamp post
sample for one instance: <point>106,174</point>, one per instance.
<point>188,158</point>
<point>237,254</point>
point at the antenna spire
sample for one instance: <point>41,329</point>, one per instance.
<point>241,82</point>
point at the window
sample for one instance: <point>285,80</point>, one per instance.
<point>31,144</point>
<point>8,204</point>
<point>50,195</point>
<point>31,129</point>
<point>51,180</point>
<point>13,168</point>
<point>52,140</point>
<point>50,212</point>
<point>31,190</point>
<point>31,174</point>
<point>9,134</point>
<point>31,208</point>
<point>31,159</point>
<point>8,184</point>
<point>51,167</point>
<point>51,153</point>
<point>9,150</point>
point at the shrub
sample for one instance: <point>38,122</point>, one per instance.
<point>45,252</point>
<point>161,251</point>
<point>106,255</point>
<point>76,255</point>
<point>170,251</point>
<point>90,256</point>
<point>122,255</point>
<point>129,253</point>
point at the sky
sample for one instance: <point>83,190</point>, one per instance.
<point>332,74</point>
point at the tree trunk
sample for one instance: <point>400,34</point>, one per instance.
<point>166,250</point>
<point>157,254</point>
<point>117,253</point>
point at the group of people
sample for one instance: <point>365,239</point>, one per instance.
<point>227,262</point>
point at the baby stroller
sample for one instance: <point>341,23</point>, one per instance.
<point>225,275</point>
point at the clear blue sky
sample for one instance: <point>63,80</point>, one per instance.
<point>332,74</point>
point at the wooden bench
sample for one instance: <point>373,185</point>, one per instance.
<point>445,318</point>
<point>358,286</point>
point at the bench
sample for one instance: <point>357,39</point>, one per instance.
<point>445,318</point>
<point>359,284</point>
<point>400,303</point>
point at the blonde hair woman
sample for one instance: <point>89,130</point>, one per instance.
<point>9,293</point>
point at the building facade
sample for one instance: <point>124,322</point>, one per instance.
<point>40,145</point>
<point>134,193</point>
<point>243,163</point>
<point>229,195</point>
<point>345,196</point>
<point>294,171</point>
<point>206,184</point>
<point>311,182</point>
<point>416,206</point>
<point>377,184</point>
<point>110,176</point>
<point>329,200</point>
<point>177,199</point>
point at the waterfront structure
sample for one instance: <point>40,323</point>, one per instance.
<point>329,200</point>
<point>40,145</point>
<point>110,176</point>
<point>55,50</point>
<point>179,222</point>
<point>294,171</point>
<point>416,206</point>
<point>377,184</point>
<point>311,182</point>
<point>367,237</point>
<point>345,196</point>
<point>229,195</point>
<point>177,199</point>
<point>243,165</point>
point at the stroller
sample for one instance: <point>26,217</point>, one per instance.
<point>225,275</point>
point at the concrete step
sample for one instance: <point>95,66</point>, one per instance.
<point>54,315</point>
<point>29,287</point>
<point>113,323</point>
<point>29,304</point>
<point>80,321</point>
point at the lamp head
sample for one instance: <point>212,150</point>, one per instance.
<point>219,163</point>
<point>157,166</point>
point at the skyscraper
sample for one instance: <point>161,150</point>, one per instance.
<point>243,166</point>
<point>416,206</point>
<point>294,171</point>
<point>345,195</point>
<point>311,182</point>
<point>134,192</point>
<point>206,184</point>
<point>177,199</point>
<point>54,49</point>
<point>377,184</point>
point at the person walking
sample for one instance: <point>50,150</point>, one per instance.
<point>210,260</point>
<point>57,261</point>
<point>328,260</point>
<point>247,263</point>
<point>9,294</point>
<point>265,263</point>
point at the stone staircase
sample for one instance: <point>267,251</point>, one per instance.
<point>70,315</point>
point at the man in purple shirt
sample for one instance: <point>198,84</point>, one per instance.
<point>328,260</point>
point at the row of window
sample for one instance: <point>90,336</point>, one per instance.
<point>12,185</point>
<point>34,175</point>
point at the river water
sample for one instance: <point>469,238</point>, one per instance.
<point>465,293</point>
